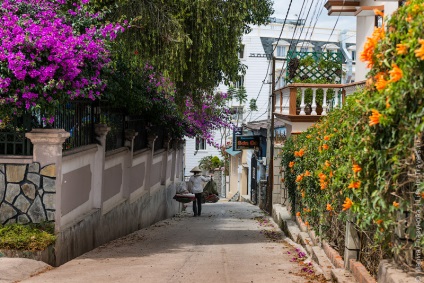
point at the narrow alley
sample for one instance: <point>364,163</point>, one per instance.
<point>230,242</point>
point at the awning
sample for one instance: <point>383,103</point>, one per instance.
<point>232,152</point>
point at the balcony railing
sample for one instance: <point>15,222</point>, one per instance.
<point>310,101</point>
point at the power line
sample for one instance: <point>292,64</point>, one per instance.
<point>273,49</point>
<point>338,17</point>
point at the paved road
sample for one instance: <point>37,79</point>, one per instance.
<point>225,244</point>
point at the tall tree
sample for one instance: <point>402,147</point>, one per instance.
<point>193,42</point>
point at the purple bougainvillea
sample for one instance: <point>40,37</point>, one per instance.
<point>48,57</point>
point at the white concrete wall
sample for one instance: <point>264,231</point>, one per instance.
<point>137,191</point>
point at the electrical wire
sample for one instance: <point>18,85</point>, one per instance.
<point>338,17</point>
<point>273,50</point>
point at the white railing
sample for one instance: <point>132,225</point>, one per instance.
<point>300,99</point>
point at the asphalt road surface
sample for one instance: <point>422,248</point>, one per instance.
<point>230,242</point>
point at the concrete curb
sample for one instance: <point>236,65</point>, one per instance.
<point>299,233</point>
<point>389,273</point>
<point>332,263</point>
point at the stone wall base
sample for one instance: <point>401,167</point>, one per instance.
<point>96,229</point>
<point>47,256</point>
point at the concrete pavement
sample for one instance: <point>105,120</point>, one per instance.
<point>225,244</point>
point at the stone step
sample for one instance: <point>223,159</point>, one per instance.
<point>341,275</point>
<point>319,256</point>
<point>305,241</point>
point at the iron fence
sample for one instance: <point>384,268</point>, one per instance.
<point>115,119</point>
<point>12,136</point>
<point>77,118</point>
<point>138,124</point>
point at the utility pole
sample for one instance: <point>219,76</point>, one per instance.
<point>270,186</point>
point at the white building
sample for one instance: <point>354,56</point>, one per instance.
<point>257,48</point>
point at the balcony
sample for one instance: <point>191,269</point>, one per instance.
<point>302,102</point>
<point>341,8</point>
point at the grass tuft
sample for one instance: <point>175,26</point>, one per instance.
<point>30,237</point>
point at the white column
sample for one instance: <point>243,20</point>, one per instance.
<point>314,102</point>
<point>286,102</point>
<point>324,102</point>
<point>336,98</point>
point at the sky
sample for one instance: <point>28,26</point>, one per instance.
<point>281,6</point>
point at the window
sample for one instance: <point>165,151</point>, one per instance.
<point>401,3</point>
<point>280,48</point>
<point>353,55</point>
<point>200,144</point>
<point>241,51</point>
<point>305,47</point>
<point>281,51</point>
<point>237,113</point>
<point>240,82</point>
<point>378,21</point>
<point>280,82</point>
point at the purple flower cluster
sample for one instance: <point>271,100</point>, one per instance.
<point>44,59</point>
<point>213,115</point>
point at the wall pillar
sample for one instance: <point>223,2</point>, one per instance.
<point>101,131</point>
<point>174,159</point>
<point>130,135</point>
<point>150,145</point>
<point>48,151</point>
<point>166,142</point>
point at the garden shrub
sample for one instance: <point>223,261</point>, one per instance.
<point>360,162</point>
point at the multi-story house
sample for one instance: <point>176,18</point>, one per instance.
<point>258,48</point>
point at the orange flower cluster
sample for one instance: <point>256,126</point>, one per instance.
<point>307,173</point>
<point>396,204</point>
<point>323,181</point>
<point>395,74</point>
<point>354,185</point>
<point>379,221</point>
<point>356,168</point>
<point>299,153</point>
<point>387,102</point>
<point>327,163</point>
<point>381,83</point>
<point>291,164</point>
<point>306,210</point>
<point>299,178</point>
<point>369,47</point>
<point>419,53</point>
<point>329,207</point>
<point>298,213</point>
<point>325,146</point>
<point>327,138</point>
<point>374,118</point>
<point>347,204</point>
<point>402,49</point>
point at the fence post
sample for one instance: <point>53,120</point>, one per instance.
<point>48,152</point>
<point>404,222</point>
<point>352,242</point>
<point>130,135</point>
